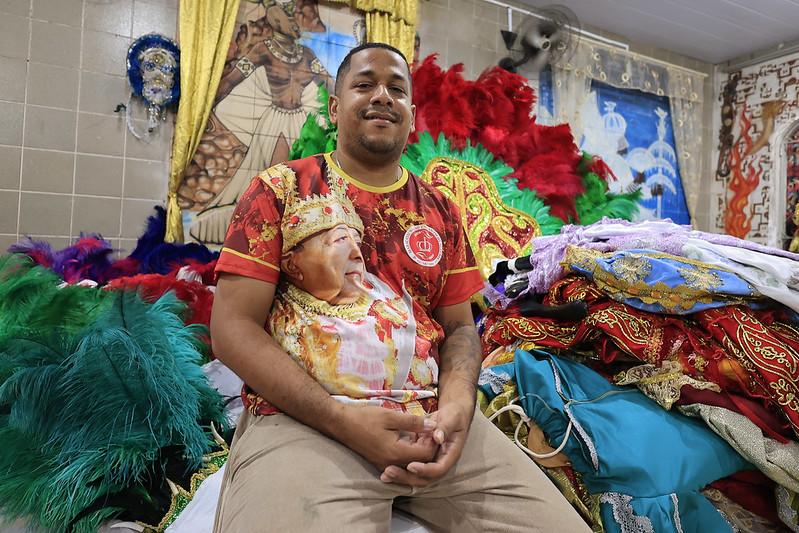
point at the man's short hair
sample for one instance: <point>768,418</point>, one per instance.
<point>344,67</point>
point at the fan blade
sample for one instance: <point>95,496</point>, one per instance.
<point>539,61</point>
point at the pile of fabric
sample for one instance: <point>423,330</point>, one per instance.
<point>672,393</point>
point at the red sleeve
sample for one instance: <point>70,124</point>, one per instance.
<point>253,243</point>
<point>463,278</point>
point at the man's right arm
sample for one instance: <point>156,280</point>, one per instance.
<point>241,307</point>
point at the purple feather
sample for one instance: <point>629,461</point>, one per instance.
<point>40,251</point>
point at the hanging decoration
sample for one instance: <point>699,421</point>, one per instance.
<point>154,76</point>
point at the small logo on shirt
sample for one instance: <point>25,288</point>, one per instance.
<point>423,244</point>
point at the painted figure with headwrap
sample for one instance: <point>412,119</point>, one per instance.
<point>264,102</point>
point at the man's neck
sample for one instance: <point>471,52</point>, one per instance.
<point>376,175</point>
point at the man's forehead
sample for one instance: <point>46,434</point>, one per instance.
<point>363,63</point>
<point>368,72</point>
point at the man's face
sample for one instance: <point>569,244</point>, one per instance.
<point>328,265</point>
<point>374,112</point>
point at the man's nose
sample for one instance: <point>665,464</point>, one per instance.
<point>382,95</point>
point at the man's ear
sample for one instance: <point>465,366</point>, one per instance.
<point>332,109</point>
<point>289,266</point>
<point>413,118</point>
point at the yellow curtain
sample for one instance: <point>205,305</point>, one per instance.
<point>206,27</point>
<point>389,21</point>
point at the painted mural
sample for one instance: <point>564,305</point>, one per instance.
<point>282,52</point>
<point>631,131</point>
<point>758,105</point>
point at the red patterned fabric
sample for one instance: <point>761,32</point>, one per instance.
<point>753,491</point>
<point>768,355</point>
<point>745,351</point>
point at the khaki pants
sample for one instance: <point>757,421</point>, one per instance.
<point>284,476</point>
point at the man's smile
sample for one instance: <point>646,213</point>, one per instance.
<point>388,116</point>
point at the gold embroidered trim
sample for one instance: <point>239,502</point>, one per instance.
<point>700,279</point>
<point>311,304</point>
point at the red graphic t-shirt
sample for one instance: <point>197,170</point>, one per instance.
<point>413,241</point>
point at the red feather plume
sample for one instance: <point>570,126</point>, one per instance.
<point>496,111</point>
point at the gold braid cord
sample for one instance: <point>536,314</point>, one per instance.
<point>494,230</point>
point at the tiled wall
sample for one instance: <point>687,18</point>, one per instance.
<point>68,163</point>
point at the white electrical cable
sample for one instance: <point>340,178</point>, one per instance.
<point>524,420</point>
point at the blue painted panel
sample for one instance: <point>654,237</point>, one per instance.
<point>632,131</point>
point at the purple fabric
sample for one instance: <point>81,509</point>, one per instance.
<point>610,235</point>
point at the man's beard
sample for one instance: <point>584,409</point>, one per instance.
<point>378,146</point>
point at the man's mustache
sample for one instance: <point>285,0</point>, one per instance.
<point>395,117</point>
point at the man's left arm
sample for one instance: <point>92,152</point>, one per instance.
<point>459,362</point>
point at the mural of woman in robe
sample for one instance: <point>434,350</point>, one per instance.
<point>269,86</point>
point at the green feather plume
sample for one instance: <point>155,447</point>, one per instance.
<point>318,134</point>
<point>418,155</point>
<point>596,202</point>
<point>31,300</point>
<point>28,488</point>
<point>93,413</point>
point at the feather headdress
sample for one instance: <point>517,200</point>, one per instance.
<point>495,112</point>
<point>417,156</point>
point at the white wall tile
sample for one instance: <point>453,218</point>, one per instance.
<point>14,36</point>
<point>55,44</point>
<point>52,86</point>
<point>69,12</point>
<point>113,17</point>
<point>13,79</point>
<point>50,129</point>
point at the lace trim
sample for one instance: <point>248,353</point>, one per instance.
<point>495,381</point>
<point>786,513</point>
<point>677,523</point>
<point>662,384</point>
<point>624,514</point>
<point>572,420</point>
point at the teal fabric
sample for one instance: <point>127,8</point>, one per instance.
<point>625,445</point>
